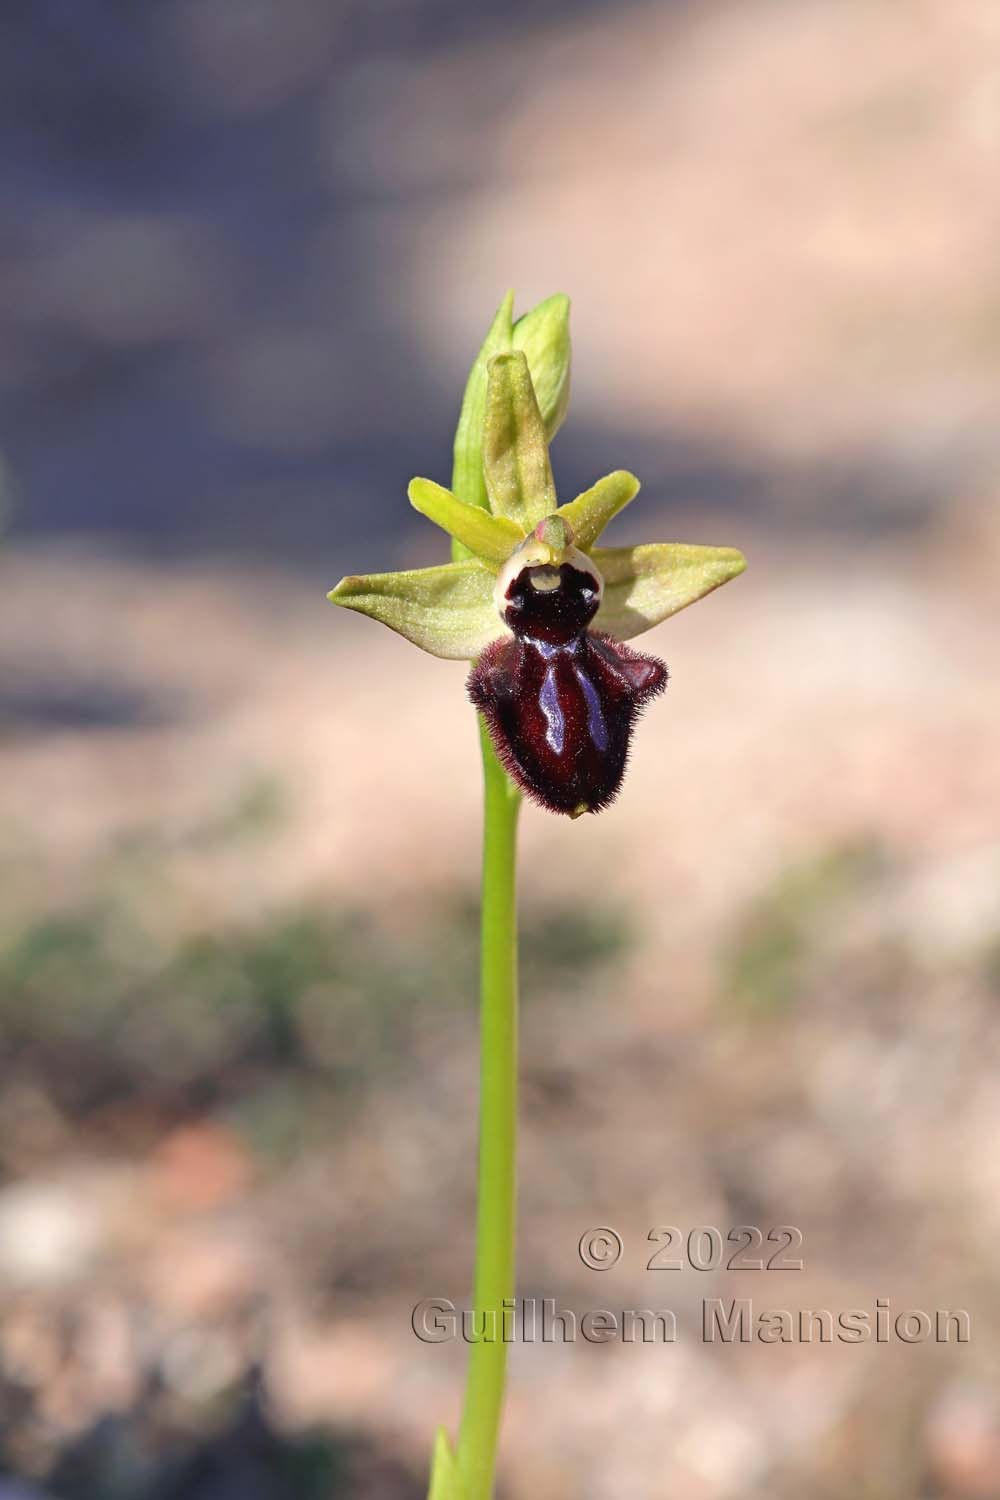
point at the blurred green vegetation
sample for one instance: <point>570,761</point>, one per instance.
<point>796,924</point>
<point>991,967</point>
<point>102,1011</point>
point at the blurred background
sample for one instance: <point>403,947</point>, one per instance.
<point>249,249</point>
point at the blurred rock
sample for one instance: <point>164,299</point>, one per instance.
<point>50,1232</point>
<point>199,1167</point>
<point>963,1442</point>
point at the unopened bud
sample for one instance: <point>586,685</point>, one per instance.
<point>515,449</point>
<point>543,335</point>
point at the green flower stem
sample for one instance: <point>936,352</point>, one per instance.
<point>496,1214</point>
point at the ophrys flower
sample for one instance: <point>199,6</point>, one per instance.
<point>529,596</point>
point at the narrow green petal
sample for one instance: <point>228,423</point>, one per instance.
<point>644,585</point>
<point>543,335</point>
<point>491,538</point>
<point>515,450</point>
<point>590,512</point>
<point>448,610</point>
<point>467,474</point>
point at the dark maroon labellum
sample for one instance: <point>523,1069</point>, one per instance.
<point>561,700</point>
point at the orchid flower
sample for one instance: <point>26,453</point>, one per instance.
<point>559,698</point>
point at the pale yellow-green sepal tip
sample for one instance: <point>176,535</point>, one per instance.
<point>491,538</point>
<point>590,512</point>
<point>447,610</point>
<point>646,584</point>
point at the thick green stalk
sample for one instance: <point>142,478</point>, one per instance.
<point>496,1213</point>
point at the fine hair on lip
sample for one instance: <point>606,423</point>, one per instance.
<point>561,700</point>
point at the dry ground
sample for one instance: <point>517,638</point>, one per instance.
<point>789,1019</point>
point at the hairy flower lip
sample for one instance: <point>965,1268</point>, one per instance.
<point>561,714</point>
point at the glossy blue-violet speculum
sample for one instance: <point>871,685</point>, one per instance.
<point>560,700</point>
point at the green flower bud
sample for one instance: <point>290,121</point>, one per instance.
<point>516,464</point>
<point>543,336</point>
<point>467,474</point>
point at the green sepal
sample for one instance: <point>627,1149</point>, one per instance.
<point>447,610</point>
<point>543,335</point>
<point>446,1483</point>
<point>491,538</point>
<point>467,473</point>
<point>515,449</point>
<point>590,512</point>
<point>646,584</point>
